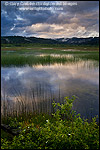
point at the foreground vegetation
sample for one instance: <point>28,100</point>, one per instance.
<point>64,129</point>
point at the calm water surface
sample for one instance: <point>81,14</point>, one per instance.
<point>58,80</point>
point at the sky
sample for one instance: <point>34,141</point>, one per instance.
<point>50,19</point>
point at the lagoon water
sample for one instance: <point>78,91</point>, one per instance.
<point>58,80</point>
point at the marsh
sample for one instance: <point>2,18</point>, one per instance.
<point>39,84</point>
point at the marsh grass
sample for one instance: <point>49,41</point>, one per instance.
<point>24,56</point>
<point>53,46</point>
<point>36,101</point>
<point>57,50</point>
<point>18,60</point>
<point>90,56</point>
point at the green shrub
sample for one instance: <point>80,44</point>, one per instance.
<point>64,130</point>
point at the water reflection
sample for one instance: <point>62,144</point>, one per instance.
<point>57,55</point>
<point>57,81</point>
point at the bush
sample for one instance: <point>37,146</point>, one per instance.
<point>64,130</point>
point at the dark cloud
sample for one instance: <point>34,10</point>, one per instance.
<point>83,17</point>
<point>82,7</point>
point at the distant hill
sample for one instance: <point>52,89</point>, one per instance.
<point>33,40</point>
<point>25,40</point>
<point>80,41</point>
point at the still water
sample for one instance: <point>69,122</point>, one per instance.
<point>54,82</point>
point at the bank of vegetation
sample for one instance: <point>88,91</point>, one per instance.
<point>63,129</point>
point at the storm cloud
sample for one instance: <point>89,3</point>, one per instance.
<point>81,20</point>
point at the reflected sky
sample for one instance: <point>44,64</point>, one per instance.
<point>80,79</point>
